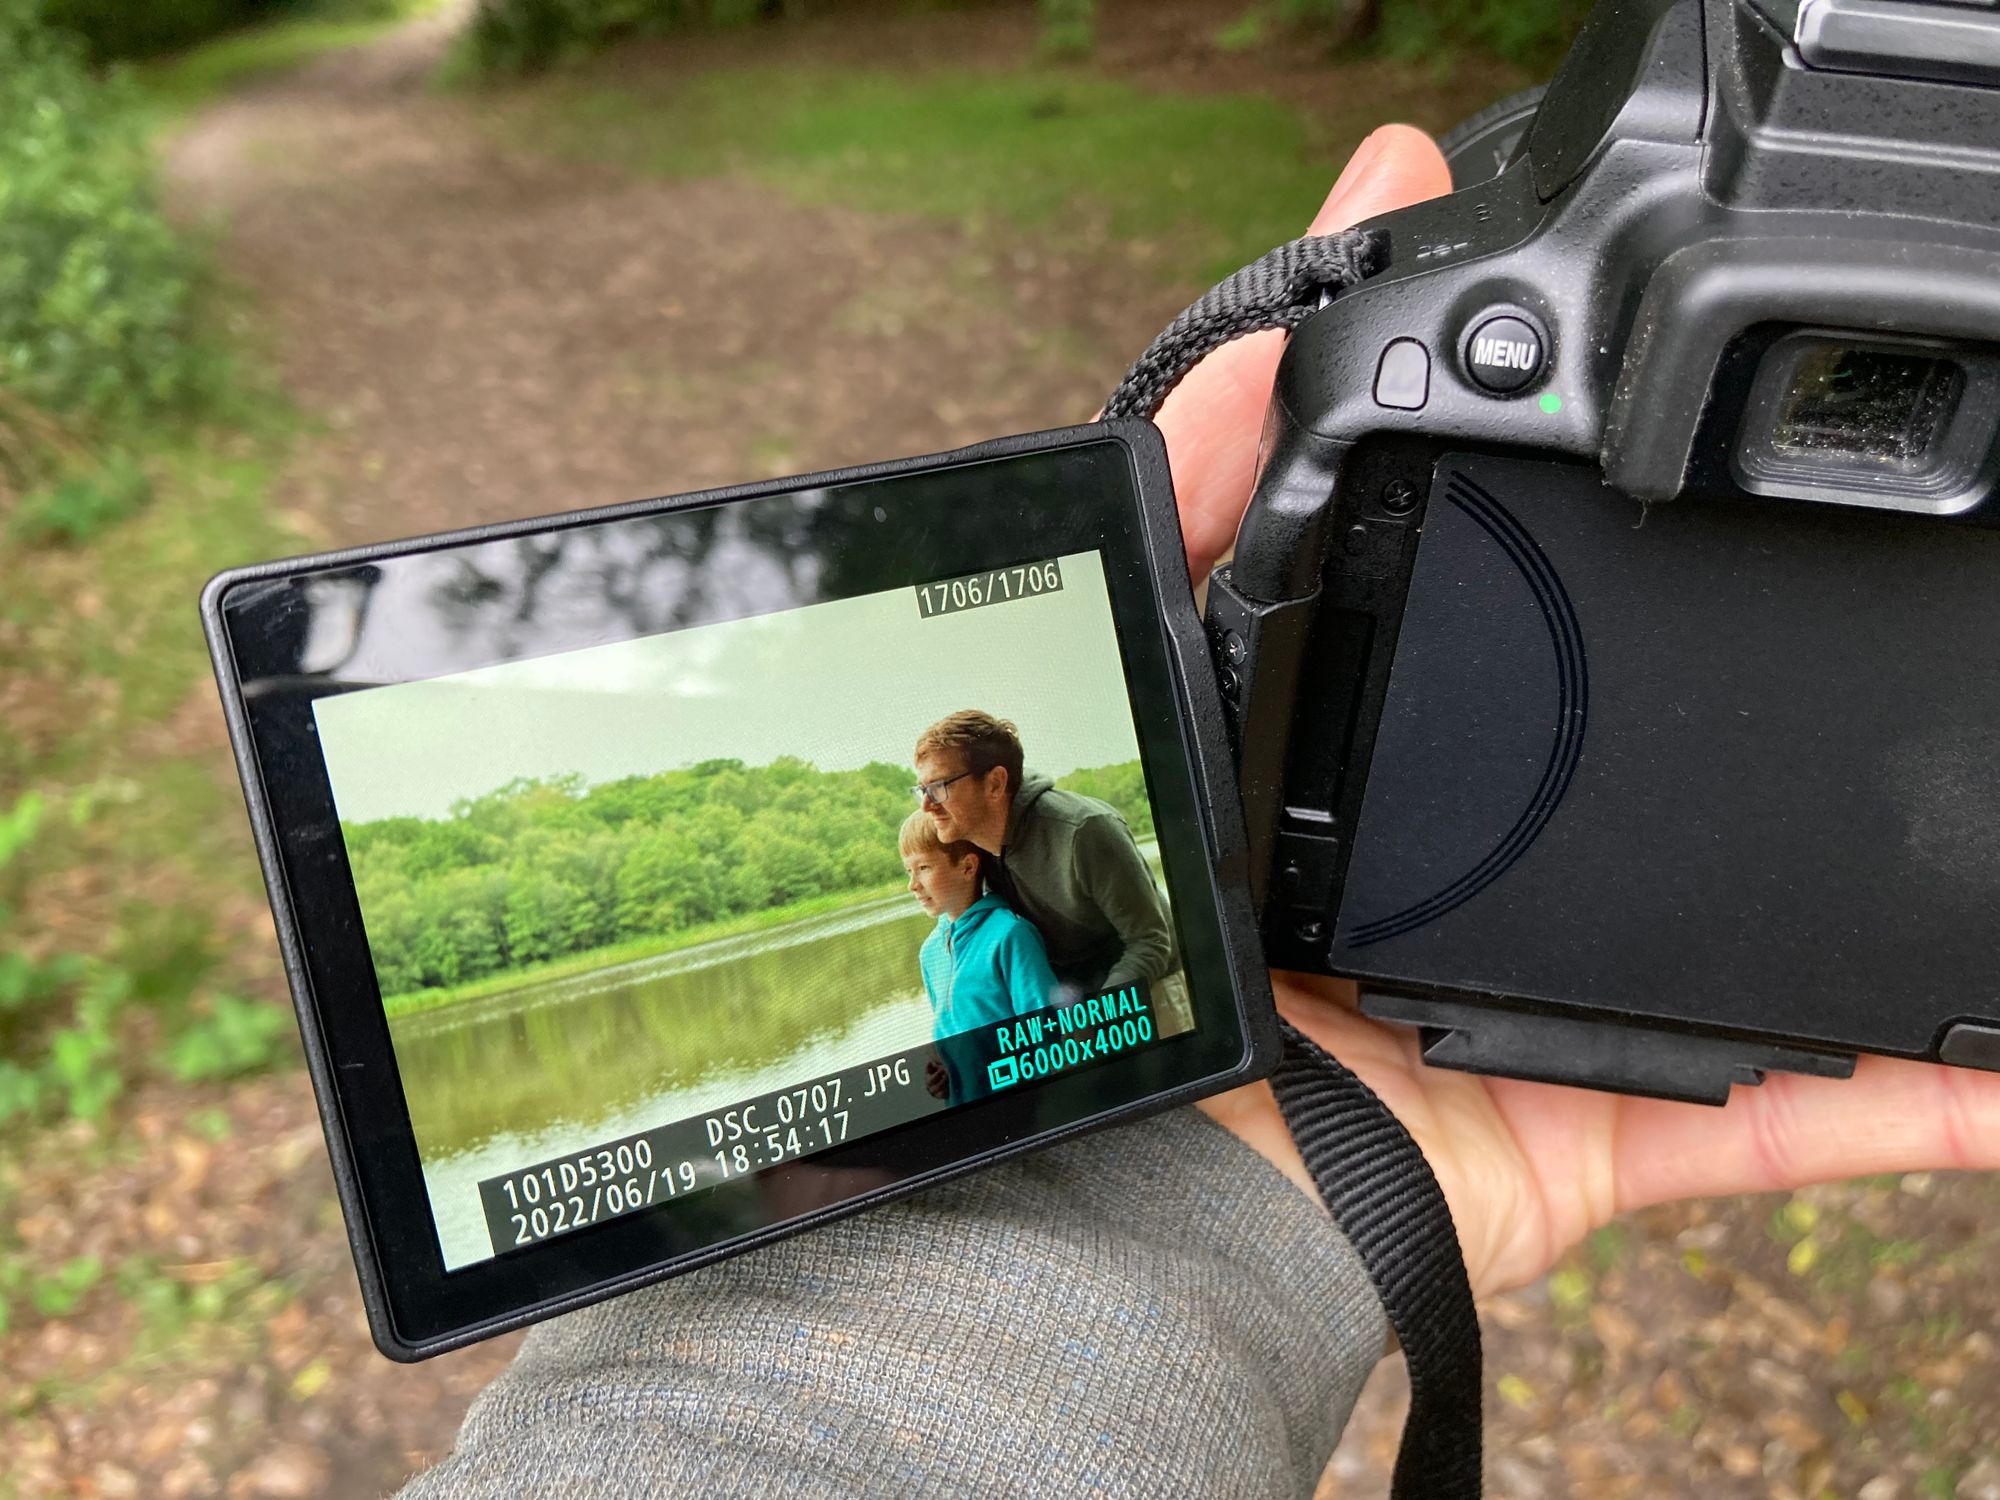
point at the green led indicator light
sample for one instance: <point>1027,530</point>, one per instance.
<point>1551,402</point>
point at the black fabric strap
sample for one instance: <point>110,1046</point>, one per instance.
<point>1373,1179</point>
<point>1382,1194</point>
<point>1278,290</point>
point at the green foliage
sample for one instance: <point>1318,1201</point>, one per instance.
<point>49,1058</point>
<point>527,36</point>
<point>1069,27</point>
<point>115,29</point>
<point>544,870</point>
<point>55,1055</point>
<point>235,1037</point>
<point>63,1018</point>
<point>96,290</point>
<point>57,1294</point>
<point>45,1059</point>
<point>77,505</point>
<point>1245,33</point>
<point>83,667</point>
<point>111,29</point>
<point>1317,12</point>
<point>17,827</point>
<point>1607,1247</point>
<point>1533,33</point>
<point>173,1312</point>
<point>53,1294</point>
<point>540,872</point>
<point>1123,786</point>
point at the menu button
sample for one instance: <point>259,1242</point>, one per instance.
<point>1503,354</point>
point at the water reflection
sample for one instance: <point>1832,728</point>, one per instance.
<point>554,1068</point>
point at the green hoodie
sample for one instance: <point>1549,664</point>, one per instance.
<point>1070,866</point>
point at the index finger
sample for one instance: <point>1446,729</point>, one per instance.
<point>1214,417</point>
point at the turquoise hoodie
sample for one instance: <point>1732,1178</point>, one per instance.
<point>985,966</point>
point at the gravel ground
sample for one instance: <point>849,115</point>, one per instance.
<point>486,333</point>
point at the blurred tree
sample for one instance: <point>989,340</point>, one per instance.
<point>114,29</point>
<point>525,36</point>
<point>1534,33</point>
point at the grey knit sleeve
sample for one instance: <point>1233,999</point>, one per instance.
<point>1146,1312</point>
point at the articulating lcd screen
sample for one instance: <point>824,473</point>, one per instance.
<point>649,916</point>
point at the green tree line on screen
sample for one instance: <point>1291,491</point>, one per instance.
<point>546,869</point>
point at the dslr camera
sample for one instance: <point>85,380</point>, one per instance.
<point>1612,647</point>
<point>1607,676</point>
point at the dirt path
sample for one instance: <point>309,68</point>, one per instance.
<point>486,333</point>
<point>491,334</point>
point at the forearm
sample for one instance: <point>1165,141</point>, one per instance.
<point>1153,1310</point>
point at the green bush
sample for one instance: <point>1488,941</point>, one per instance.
<point>56,1040</point>
<point>236,1036</point>
<point>66,1047</point>
<point>526,36</point>
<point>111,29</point>
<point>1534,33</point>
<point>1069,27</point>
<point>84,501</point>
<point>53,1294</point>
<point>96,289</point>
<point>542,870</point>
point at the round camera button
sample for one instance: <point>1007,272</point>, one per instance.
<point>1504,353</point>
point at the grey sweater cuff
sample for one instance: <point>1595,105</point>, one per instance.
<point>1149,1311</point>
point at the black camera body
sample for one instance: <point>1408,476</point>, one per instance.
<point>1612,646</point>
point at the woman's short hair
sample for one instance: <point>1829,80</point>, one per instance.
<point>919,836</point>
<point>983,740</point>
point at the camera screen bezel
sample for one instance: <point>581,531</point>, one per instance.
<point>1115,498</point>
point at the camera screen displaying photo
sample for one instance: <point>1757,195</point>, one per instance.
<point>654,882</point>
<point>654,914</point>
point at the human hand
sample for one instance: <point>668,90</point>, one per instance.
<point>1528,1169</point>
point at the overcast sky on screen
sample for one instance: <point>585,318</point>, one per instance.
<point>838,684</point>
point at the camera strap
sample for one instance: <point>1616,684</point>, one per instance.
<point>1371,1176</point>
<point>1280,289</point>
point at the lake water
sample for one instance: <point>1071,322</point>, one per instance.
<point>553,1068</point>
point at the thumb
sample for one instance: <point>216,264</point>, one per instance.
<point>1213,419</point>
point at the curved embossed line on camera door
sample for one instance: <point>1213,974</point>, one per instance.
<point>1572,713</point>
